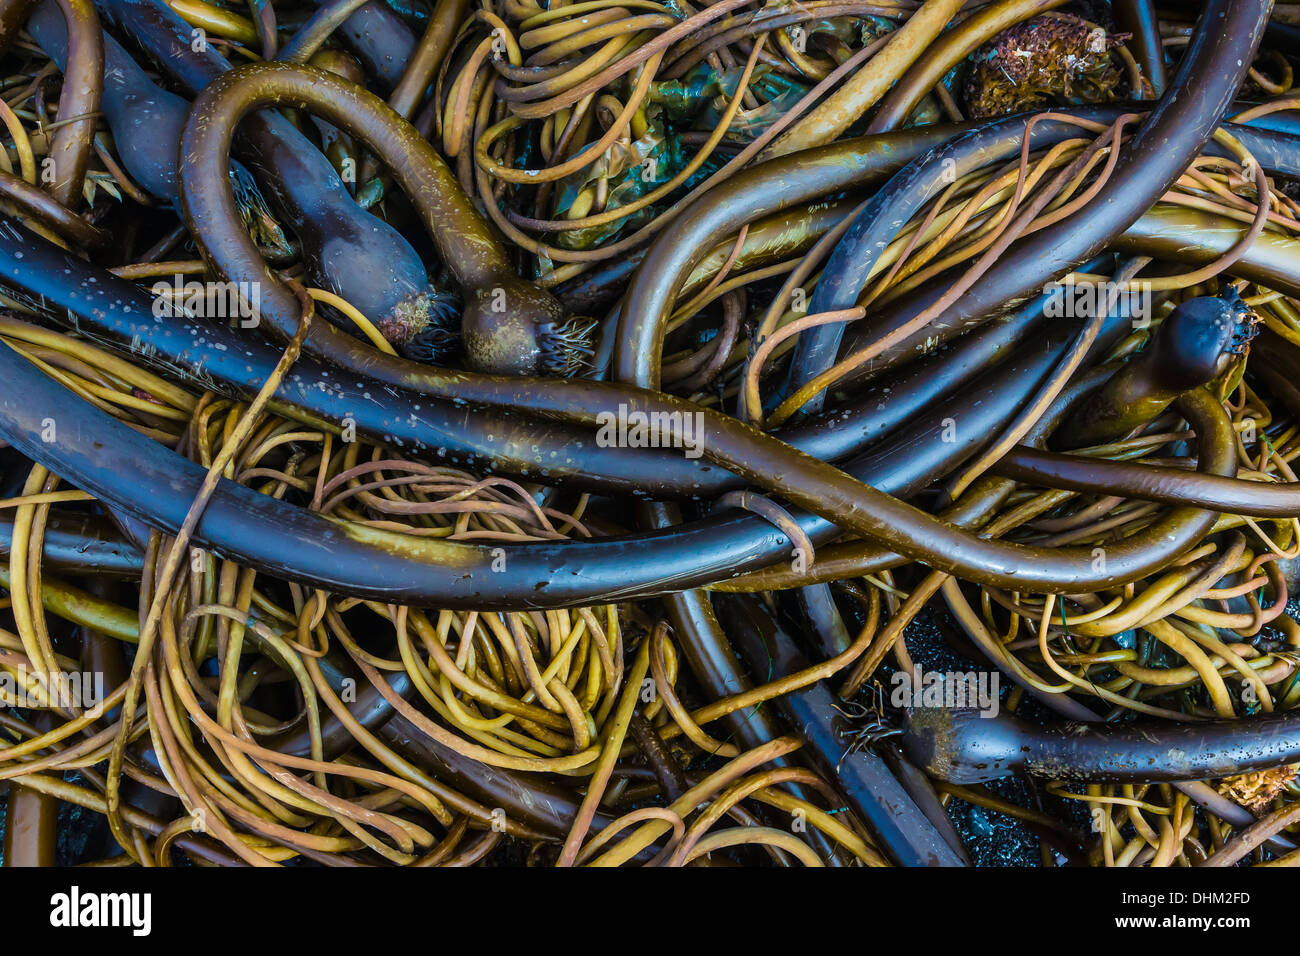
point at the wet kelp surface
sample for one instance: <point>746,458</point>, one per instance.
<point>608,433</point>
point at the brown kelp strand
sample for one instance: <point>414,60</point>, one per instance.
<point>381,39</point>
<point>508,326</point>
<point>116,313</point>
<point>961,747</point>
<point>524,434</point>
<point>468,571</point>
<point>1191,348</point>
<point>71,145</point>
<point>350,252</point>
<point>1177,128</point>
<point>1174,137</point>
<point>879,798</point>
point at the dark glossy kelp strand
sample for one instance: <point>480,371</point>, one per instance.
<point>908,836</point>
<point>350,251</point>
<point>1175,131</point>
<point>508,325</point>
<point>1193,346</point>
<point>470,547</point>
<point>960,746</point>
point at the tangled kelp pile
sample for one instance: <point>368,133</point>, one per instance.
<point>638,433</point>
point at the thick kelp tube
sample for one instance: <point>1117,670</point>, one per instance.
<point>875,794</point>
<point>1138,19</point>
<point>925,458</point>
<point>1192,346</point>
<point>714,667</point>
<point>1179,234</point>
<point>771,187</point>
<point>265,533</point>
<point>319,27</point>
<point>288,542</point>
<point>803,177</point>
<point>881,217</point>
<point>1170,138</point>
<point>526,798</point>
<point>31,828</point>
<point>1176,130</point>
<point>960,746</point>
<point>83,82</point>
<point>506,323</point>
<point>348,251</point>
<point>80,543</point>
<point>146,120</point>
<point>121,315</point>
<point>117,313</point>
<point>420,68</point>
<point>1257,499</point>
<point>33,203</point>
<point>381,40</point>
